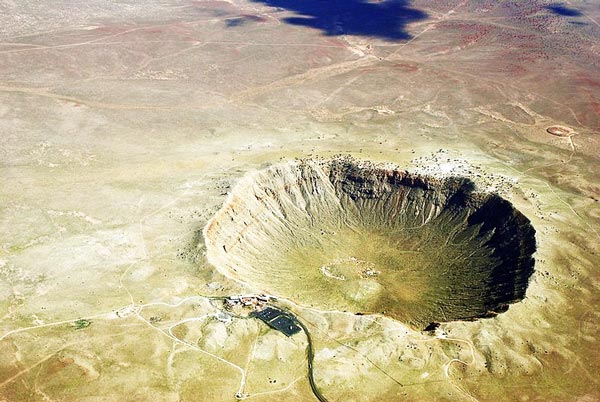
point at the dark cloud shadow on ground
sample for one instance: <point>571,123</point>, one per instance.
<point>565,11</point>
<point>385,19</point>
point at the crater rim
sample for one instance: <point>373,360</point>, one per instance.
<point>239,204</point>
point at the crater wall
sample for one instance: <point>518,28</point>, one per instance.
<point>367,238</point>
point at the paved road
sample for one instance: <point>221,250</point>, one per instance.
<point>310,355</point>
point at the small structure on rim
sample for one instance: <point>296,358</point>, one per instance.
<point>256,302</point>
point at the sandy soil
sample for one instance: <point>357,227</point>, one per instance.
<point>124,125</point>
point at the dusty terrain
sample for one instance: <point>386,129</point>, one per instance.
<point>125,125</point>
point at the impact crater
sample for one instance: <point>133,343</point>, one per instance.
<point>373,239</point>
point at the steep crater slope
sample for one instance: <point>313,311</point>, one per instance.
<point>365,238</point>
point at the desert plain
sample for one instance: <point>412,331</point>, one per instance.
<point>127,127</point>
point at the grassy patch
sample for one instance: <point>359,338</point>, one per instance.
<point>81,323</point>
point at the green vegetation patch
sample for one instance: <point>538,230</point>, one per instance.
<point>81,323</point>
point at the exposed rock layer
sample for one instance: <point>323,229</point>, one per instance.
<point>359,237</point>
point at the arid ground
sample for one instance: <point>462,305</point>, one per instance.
<point>126,125</point>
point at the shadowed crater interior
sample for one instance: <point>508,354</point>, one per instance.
<point>365,238</point>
